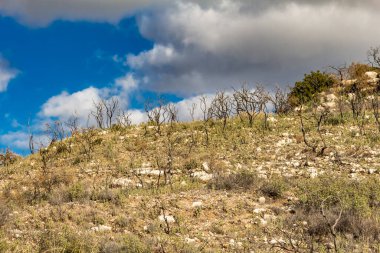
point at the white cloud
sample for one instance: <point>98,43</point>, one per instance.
<point>6,74</point>
<point>65,105</point>
<point>203,47</point>
<point>81,103</point>
<point>18,140</point>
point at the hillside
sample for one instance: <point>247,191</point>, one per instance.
<point>246,189</point>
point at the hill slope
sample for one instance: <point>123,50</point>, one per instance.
<point>242,189</point>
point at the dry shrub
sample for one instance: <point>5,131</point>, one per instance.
<point>242,180</point>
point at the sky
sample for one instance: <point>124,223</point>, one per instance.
<point>58,57</point>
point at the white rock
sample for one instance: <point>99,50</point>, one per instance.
<point>259,210</point>
<point>371,74</point>
<point>191,240</point>
<point>206,166</point>
<point>349,82</point>
<point>284,142</point>
<point>149,172</point>
<point>197,204</point>
<point>262,200</point>
<point>101,228</point>
<point>331,98</point>
<point>204,176</point>
<point>121,182</point>
<point>166,218</point>
<point>372,171</point>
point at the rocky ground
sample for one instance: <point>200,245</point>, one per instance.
<point>246,190</point>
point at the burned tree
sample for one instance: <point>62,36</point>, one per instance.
<point>55,131</point>
<point>373,56</point>
<point>246,104</point>
<point>157,113</point>
<point>124,118</point>
<point>172,113</point>
<point>279,100</point>
<point>207,116</point>
<point>221,107</point>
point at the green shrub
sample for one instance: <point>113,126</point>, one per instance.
<point>312,84</point>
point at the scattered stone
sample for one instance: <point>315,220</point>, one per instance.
<point>204,176</point>
<point>121,182</point>
<point>262,200</point>
<point>197,204</point>
<point>206,166</point>
<point>166,218</point>
<point>101,228</point>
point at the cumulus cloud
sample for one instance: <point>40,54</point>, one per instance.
<point>80,104</point>
<point>201,47</point>
<point>65,105</point>
<point>6,74</point>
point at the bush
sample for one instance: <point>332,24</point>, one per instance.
<point>358,201</point>
<point>241,180</point>
<point>312,84</point>
<point>274,188</point>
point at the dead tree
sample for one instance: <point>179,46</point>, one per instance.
<point>157,113</point>
<point>373,56</point>
<point>31,139</point>
<point>98,114</point>
<point>358,105</point>
<point>73,125</point>
<point>172,113</point>
<point>111,107</point>
<point>331,225</point>
<point>192,111</point>
<point>221,107</point>
<point>124,118</point>
<point>262,99</point>
<point>279,100</point>
<point>207,116</point>
<point>193,141</point>
<point>246,104</point>
<point>55,131</point>
<point>342,74</point>
<point>375,104</point>
<point>319,114</point>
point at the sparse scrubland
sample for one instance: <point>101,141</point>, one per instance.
<point>304,178</point>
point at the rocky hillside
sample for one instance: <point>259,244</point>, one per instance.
<point>200,187</point>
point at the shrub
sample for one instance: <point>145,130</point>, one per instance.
<point>274,188</point>
<point>358,201</point>
<point>241,180</point>
<point>312,84</point>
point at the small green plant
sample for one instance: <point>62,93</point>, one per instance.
<point>312,84</point>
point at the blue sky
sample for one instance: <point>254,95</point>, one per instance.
<point>56,56</point>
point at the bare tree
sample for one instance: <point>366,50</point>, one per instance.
<point>192,109</point>
<point>263,98</point>
<point>31,138</point>
<point>73,125</point>
<point>245,104</point>
<point>55,131</point>
<point>111,107</point>
<point>221,107</point>
<point>375,104</point>
<point>206,111</point>
<point>319,114</point>
<point>157,113</point>
<point>172,113</point>
<point>280,101</point>
<point>98,114</point>
<point>373,56</point>
<point>124,118</point>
